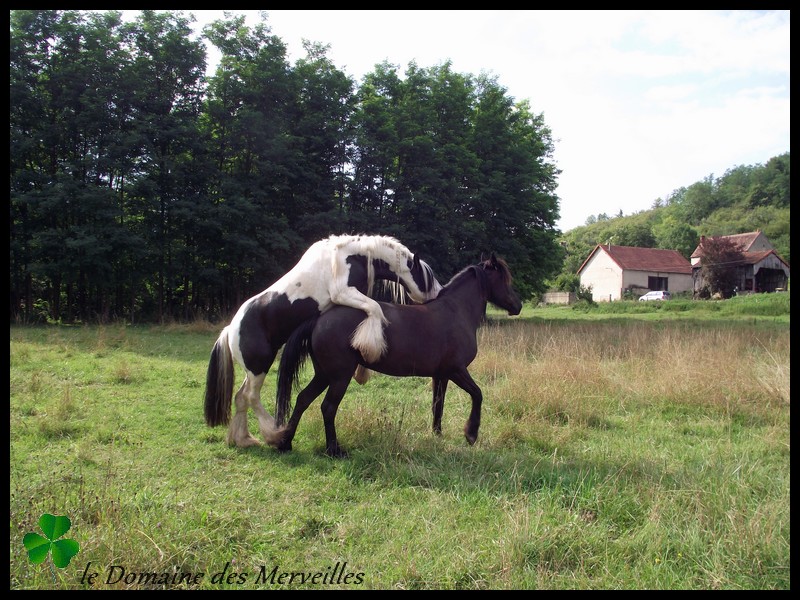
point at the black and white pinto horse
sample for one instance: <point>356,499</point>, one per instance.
<point>339,270</point>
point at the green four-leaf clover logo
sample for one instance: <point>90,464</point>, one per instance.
<point>39,547</point>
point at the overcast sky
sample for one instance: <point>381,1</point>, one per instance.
<point>639,103</point>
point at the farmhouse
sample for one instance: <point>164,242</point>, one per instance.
<point>761,269</point>
<point>611,270</point>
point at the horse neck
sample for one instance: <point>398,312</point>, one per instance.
<point>465,294</point>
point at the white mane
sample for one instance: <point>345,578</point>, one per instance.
<point>383,247</point>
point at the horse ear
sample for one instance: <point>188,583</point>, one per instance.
<point>493,260</point>
<point>416,260</point>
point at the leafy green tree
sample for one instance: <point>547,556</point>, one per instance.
<point>514,191</point>
<point>370,197</point>
<point>167,68</point>
<point>435,164</point>
<point>455,168</point>
<point>250,104</point>
<point>699,201</point>
<point>30,158</point>
<point>321,135</point>
<point>733,187</point>
<point>576,251</point>
<point>719,263</point>
<point>636,234</point>
<point>65,201</point>
<point>673,235</point>
<point>770,184</point>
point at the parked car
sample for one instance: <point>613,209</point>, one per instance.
<point>659,295</point>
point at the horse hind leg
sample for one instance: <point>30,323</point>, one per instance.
<point>238,432</point>
<point>310,393</point>
<point>362,375</point>
<point>267,425</point>
<point>330,405</point>
<point>439,390</point>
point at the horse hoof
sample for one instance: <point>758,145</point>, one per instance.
<point>471,439</point>
<point>337,453</point>
<point>247,442</point>
<point>284,447</point>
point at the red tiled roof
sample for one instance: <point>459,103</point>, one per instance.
<point>753,258</point>
<point>743,241</point>
<point>630,258</point>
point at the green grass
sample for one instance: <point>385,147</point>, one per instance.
<point>764,308</point>
<point>613,454</point>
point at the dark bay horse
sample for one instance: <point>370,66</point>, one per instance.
<point>436,339</point>
<point>339,270</point>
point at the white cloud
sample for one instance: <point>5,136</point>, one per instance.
<point>640,103</point>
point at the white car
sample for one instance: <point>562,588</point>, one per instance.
<point>659,295</point>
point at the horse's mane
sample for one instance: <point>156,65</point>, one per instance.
<point>501,265</point>
<point>383,247</point>
<point>479,271</point>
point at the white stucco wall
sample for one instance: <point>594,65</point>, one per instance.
<point>676,282</point>
<point>605,277</point>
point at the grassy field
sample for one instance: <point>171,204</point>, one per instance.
<point>618,450</point>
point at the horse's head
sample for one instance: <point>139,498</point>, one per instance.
<point>413,273</point>
<point>501,293</point>
<point>421,273</point>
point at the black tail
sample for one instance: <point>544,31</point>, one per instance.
<point>219,383</point>
<point>294,355</point>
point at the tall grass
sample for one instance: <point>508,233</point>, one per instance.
<point>612,455</point>
<point>774,307</point>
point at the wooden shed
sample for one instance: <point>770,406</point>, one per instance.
<point>761,269</point>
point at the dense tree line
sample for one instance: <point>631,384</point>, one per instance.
<point>143,190</point>
<point>743,199</point>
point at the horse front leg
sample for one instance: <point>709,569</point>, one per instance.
<point>439,390</point>
<point>330,405</point>
<point>464,380</point>
<point>310,393</point>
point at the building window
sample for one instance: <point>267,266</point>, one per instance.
<point>658,283</point>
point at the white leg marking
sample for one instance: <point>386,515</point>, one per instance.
<point>238,433</point>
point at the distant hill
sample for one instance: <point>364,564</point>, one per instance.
<point>745,198</point>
